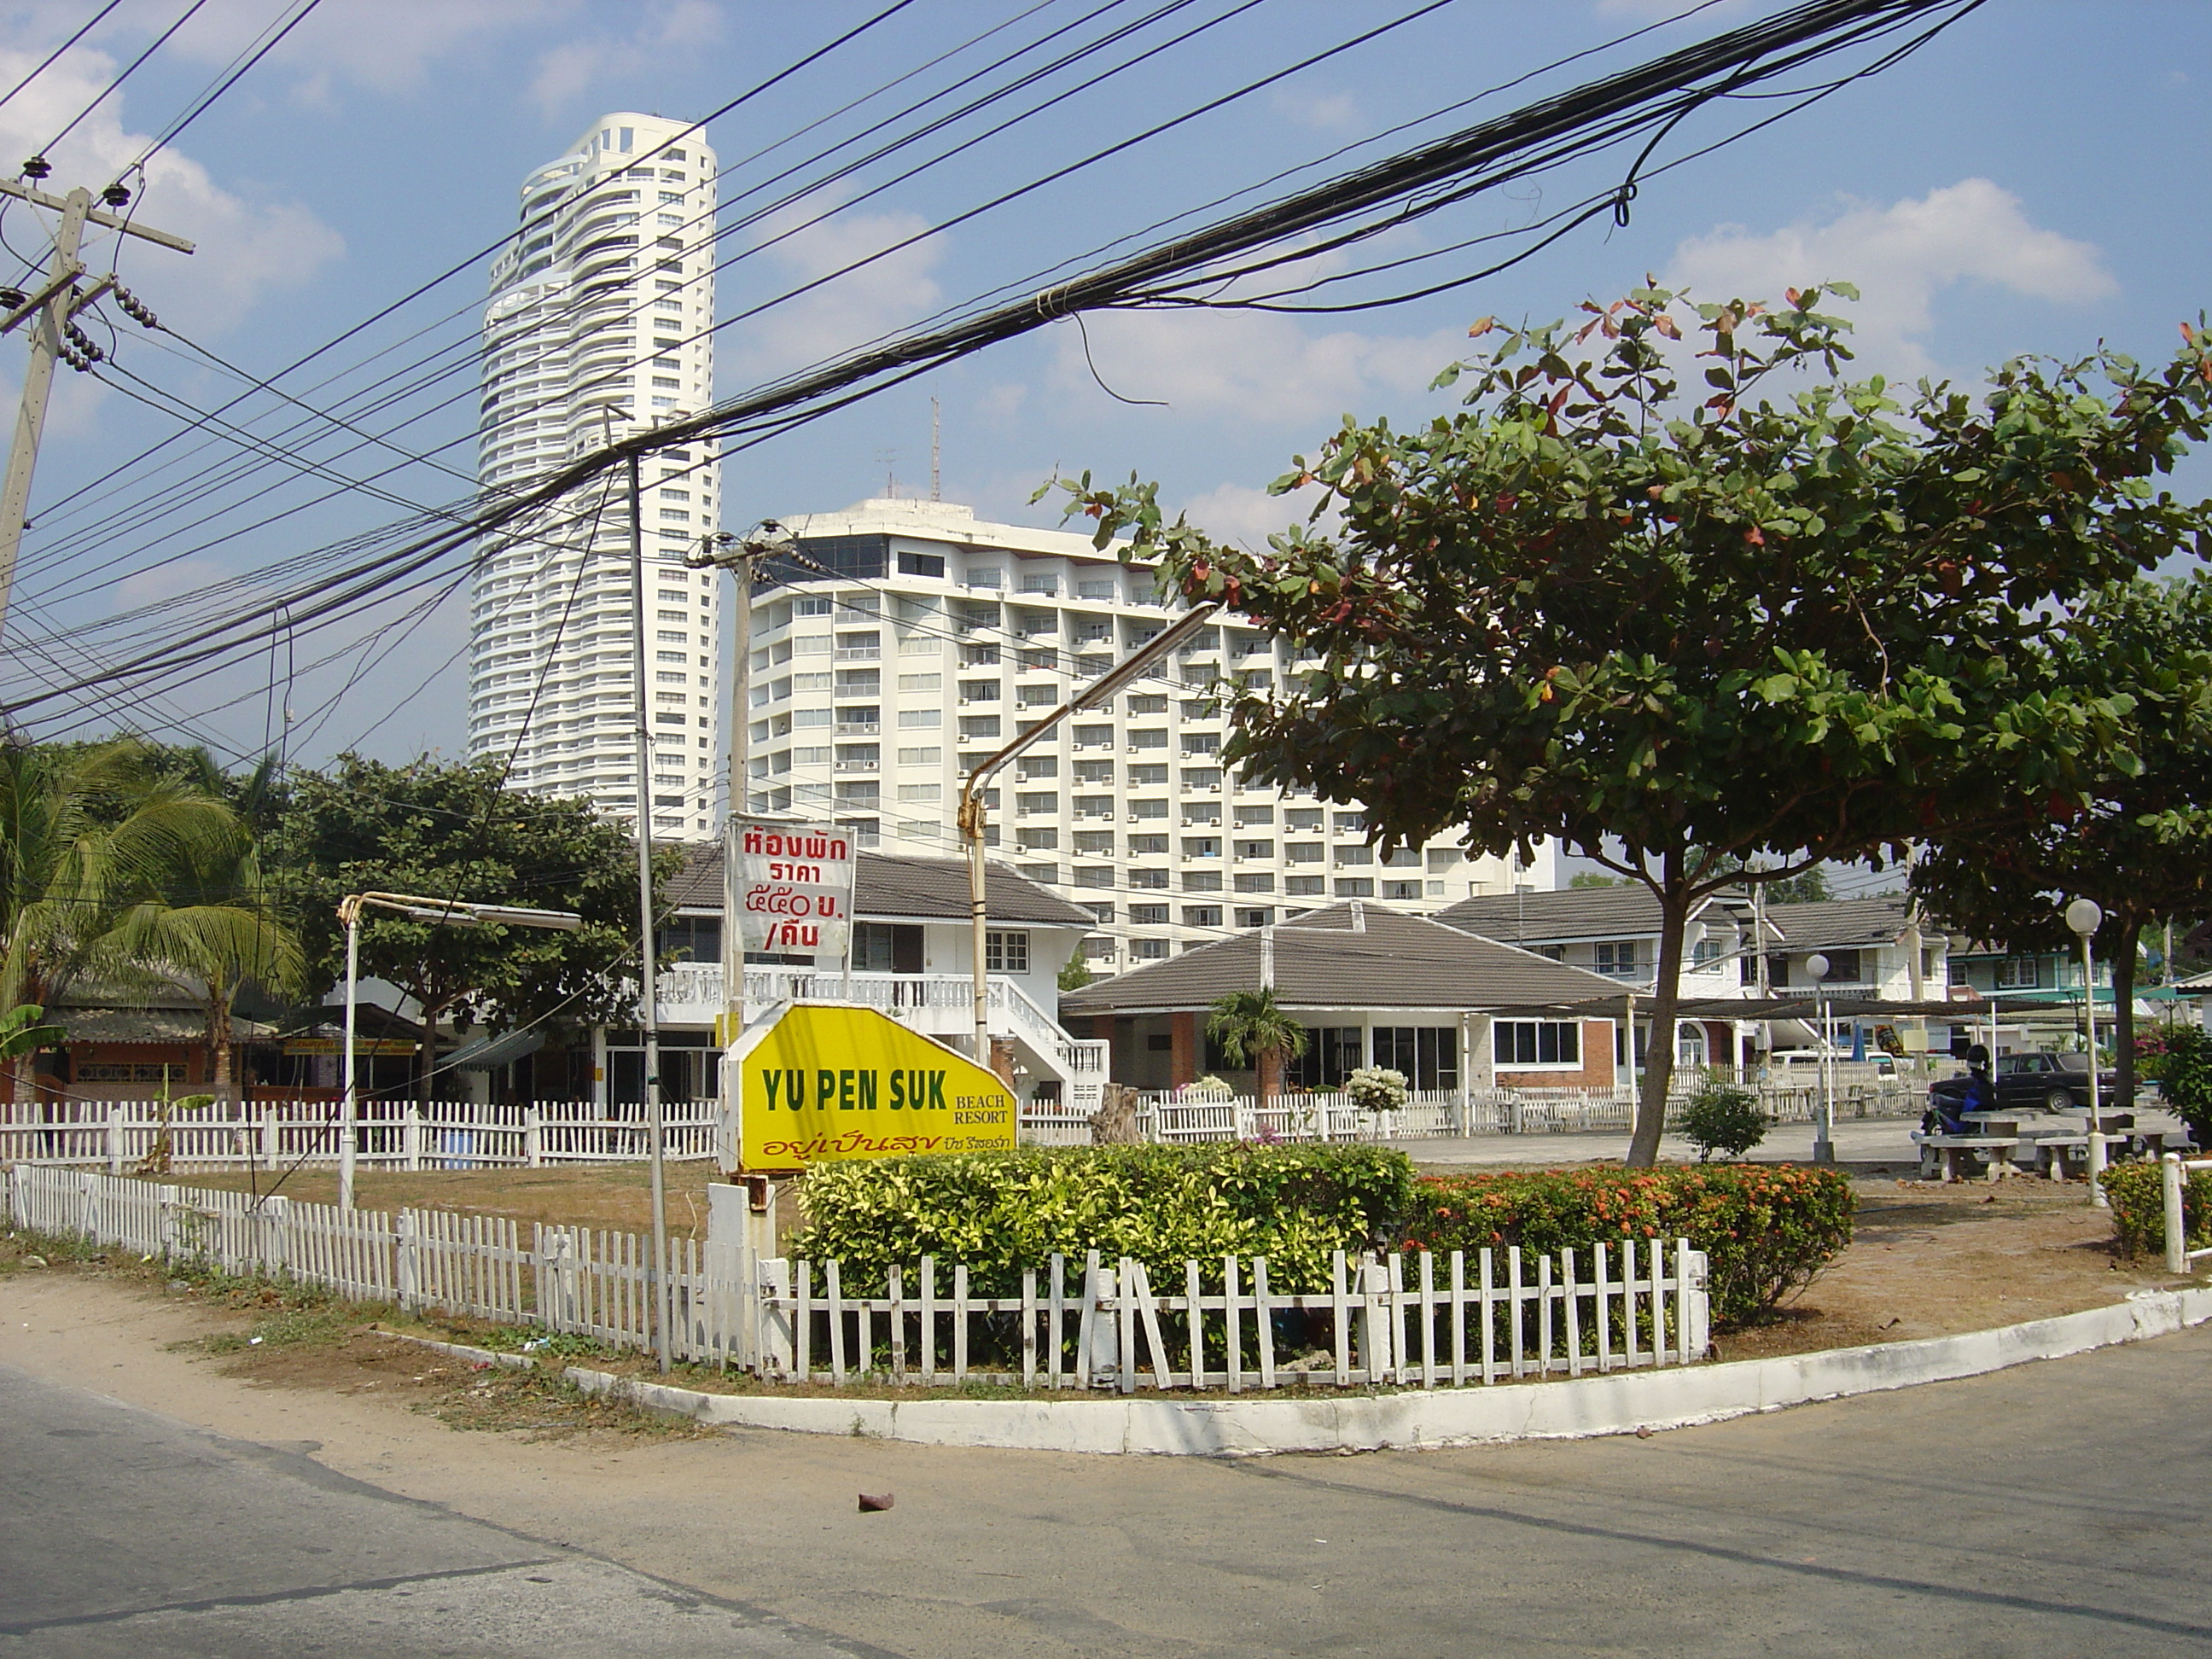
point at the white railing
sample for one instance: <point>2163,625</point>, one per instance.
<point>2173,1170</point>
<point>1414,1320</point>
<point>1438,1113</point>
<point>119,1135</point>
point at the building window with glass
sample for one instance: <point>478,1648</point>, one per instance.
<point>1428,1055</point>
<point>1536,1042</point>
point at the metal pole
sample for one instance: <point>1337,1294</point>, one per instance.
<point>648,990</point>
<point>350,913</point>
<point>2096,1120</point>
<point>741,788</point>
<point>1824,1143</point>
<point>971,827</point>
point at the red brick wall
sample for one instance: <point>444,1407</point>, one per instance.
<point>1597,1071</point>
<point>1184,1058</point>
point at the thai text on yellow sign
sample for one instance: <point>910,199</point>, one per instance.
<point>826,1083</point>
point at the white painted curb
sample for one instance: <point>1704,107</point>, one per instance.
<point>1620,1403</point>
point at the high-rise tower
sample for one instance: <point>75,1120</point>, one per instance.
<point>597,327</point>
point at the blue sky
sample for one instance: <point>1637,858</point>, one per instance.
<point>2019,186</point>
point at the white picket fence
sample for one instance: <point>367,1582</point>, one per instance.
<point>1640,1303</point>
<point>1445,1112</point>
<point>1498,1316</point>
<point>120,1135</point>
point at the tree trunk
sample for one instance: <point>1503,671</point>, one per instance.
<point>426,1054</point>
<point>1269,1078</point>
<point>1666,995</point>
<point>218,1011</point>
<point>2123,1013</point>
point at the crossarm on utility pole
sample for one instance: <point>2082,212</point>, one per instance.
<point>56,304</point>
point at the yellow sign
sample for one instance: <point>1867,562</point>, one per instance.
<point>363,1046</point>
<point>825,1082</point>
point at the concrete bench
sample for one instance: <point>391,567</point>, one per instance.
<point>1939,1154</point>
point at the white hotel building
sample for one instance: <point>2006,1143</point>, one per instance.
<point>875,689</point>
<point>597,327</point>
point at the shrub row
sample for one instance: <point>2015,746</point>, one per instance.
<point>1001,1213</point>
<point>2137,1190</point>
<point>1765,1230</point>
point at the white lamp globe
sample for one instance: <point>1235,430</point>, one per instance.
<point>1817,965</point>
<point>2084,916</point>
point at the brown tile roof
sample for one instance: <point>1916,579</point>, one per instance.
<point>1568,913</point>
<point>1322,960</point>
<point>889,887</point>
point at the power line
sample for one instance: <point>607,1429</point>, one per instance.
<point>54,57</point>
<point>1646,96</point>
<point>131,68</point>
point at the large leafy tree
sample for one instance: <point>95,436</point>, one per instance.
<point>1764,620</point>
<point>2140,842</point>
<point>453,832</point>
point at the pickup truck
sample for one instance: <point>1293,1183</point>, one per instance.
<point>2036,1082</point>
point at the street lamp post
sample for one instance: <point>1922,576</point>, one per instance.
<point>1823,1127</point>
<point>450,912</point>
<point>2084,917</point>
<point>971,813</point>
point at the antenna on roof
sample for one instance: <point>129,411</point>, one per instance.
<point>936,451</point>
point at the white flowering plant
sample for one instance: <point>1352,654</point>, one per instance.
<point>1376,1089</point>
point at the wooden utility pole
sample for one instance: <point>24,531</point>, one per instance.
<point>52,310</point>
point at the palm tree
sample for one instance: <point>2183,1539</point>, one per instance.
<point>1252,1026</point>
<point>85,833</point>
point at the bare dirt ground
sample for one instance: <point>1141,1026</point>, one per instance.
<point>1928,1260</point>
<point>616,1195</point>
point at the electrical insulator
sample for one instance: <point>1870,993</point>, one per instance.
<point>135,309</point>
<point>12,297</point>
<point>116,196</point>
<point>37,167</point>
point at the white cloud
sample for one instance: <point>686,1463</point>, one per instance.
<point>245,248</point>
<point>1332,112</point>
<point>1246,517</point>
<point>568,71</point>
<point>1901,258</point>
<point>1256,367</point>
<point>383,44</point>
<point>847,311</point>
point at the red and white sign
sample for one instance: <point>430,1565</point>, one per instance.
<point>791,889</point>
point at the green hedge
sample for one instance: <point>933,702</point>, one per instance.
<point>2138,1194</point>
<point>1765,1230</point>
<point>1000,1213</point>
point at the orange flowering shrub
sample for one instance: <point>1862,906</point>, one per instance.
<point>1766,1229</point>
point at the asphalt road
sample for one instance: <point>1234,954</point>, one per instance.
<point>124,1533</point>
<point>2054,1509</point>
